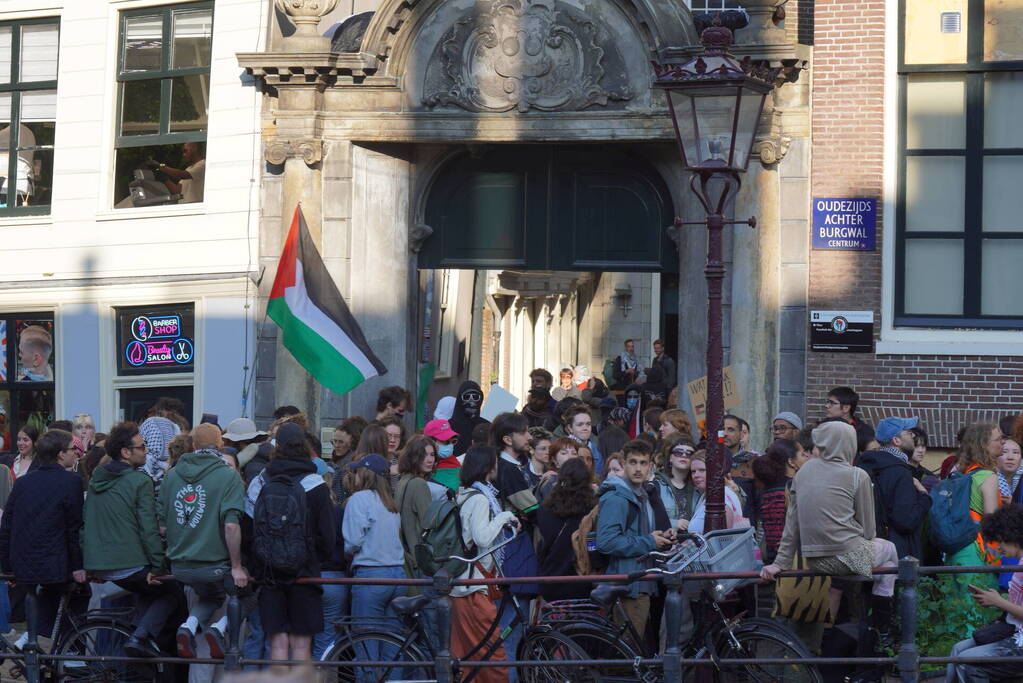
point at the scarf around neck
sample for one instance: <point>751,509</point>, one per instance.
<point>1007,486</point>
<point>490,491</point>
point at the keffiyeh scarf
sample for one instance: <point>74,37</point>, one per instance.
<point>490,491</point>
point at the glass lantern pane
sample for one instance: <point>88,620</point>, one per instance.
<point>1003,101</point>
<point>934,277</point>
<point>936,112</point>
<point>936,31</point>
<point>715,114</point>
<point>1003,202</point>
<point>746,131</point>
<point>935,193</point>
<point>999,283</point>
<point>143,43</point>
<point>1003,40</point>
<point>684,110</point>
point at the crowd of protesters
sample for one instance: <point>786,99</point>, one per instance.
<point>175,516</point>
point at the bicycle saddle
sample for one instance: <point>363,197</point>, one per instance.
<point>408,605</point>
<point>606,593</point>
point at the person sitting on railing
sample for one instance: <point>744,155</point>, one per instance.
<point>999,639</point>
<point>122,542</point>
<point>830,519</point>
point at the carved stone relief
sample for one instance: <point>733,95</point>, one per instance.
<point>525,54</point>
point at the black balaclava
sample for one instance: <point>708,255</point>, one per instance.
<point>466,415</point>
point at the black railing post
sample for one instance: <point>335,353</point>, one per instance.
<point>673,605</point>
<point>31,649</point>
<point>909,656</point>
<point>442,658</point>
<point>233,656</point>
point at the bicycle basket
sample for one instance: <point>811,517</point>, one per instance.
<point>728,550</point>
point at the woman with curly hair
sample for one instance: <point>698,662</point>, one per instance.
<point>564,507</point>
<point>978,457</point>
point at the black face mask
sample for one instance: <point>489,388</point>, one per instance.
<point>471,400</point>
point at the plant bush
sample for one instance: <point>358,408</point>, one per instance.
<point>947,614</point>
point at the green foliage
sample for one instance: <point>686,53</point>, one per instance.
<point>947,614</point>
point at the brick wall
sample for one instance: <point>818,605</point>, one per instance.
<point>847,158</point>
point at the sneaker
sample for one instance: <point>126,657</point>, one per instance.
<point>217,641</point>
<point>186,643</point>
<point>141,647</point>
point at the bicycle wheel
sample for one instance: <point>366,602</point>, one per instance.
<point>546,645</point>
<point>598,644</point>
<point>100,639</point>
<point>374,646</point>
<point>758,641</point>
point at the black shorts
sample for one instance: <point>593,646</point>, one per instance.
<point>295,608</point>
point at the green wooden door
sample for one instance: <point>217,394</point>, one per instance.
<point>550,208</point>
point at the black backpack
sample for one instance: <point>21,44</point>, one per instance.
<point>279,540</point>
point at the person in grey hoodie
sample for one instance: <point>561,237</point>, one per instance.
<point>830,519</point>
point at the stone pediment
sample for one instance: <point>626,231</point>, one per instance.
<point>525,55</point>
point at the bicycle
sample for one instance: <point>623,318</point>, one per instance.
<point>405,638</point>
<point>98,633</point>
<point>586,622</point>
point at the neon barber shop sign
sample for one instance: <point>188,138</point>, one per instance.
<point>156,341</point>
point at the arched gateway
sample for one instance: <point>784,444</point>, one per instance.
<point>519,140</point>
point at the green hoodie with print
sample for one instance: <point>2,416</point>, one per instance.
<point>198,497</point>
<point>121,529</point>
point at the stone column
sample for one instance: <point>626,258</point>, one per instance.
<point>761,35</point>
<point>293,82</point>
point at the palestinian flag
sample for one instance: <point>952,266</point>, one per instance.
<point>448,472</point>
<point>316,325</point>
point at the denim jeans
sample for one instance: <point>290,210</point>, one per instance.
<point>511,644</point>
<point>255,645</point>
<point>335,606</point>
<point>982,673</point>
<point>5,609</point>
<point>374,602</point>
<point>208,583</point>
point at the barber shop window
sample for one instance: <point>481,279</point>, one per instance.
<point>27,362</point>
<point>28,114</point>
<point>163,80</point>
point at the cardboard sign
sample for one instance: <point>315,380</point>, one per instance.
<point>844,223</point>
<point>698,394</point>
<point>843,331</point>
<point>500,400</point>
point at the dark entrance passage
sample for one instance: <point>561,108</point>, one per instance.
<point>544,257</point>
<point>550,208</point>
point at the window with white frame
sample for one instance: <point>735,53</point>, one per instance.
<point>28,114</point>
<point>163,75</point>
<point>959,216</point>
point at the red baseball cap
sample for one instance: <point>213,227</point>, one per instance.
<point>440,430</point>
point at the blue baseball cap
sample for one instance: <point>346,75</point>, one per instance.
<point>374,462</point>
<point>889,428</point>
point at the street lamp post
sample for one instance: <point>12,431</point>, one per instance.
<point>715,103</point>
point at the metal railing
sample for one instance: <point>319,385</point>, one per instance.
<point>907,661</point>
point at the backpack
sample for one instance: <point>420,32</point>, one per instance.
<point>952,528</point>
<point>442,537</point>
<point>588,560</point>
<point>609,372</point>
<point>279,526</point>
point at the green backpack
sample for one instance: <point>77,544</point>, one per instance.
<point>442,537</point>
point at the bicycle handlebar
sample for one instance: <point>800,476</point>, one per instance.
<point>676,551</point>
<point>492,549</point>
